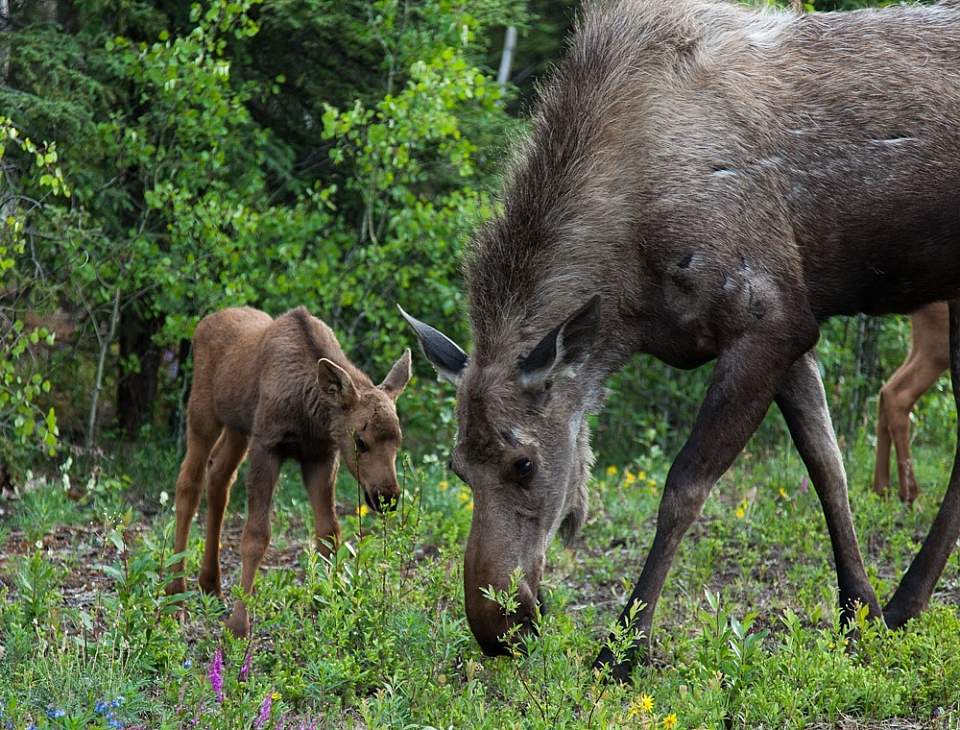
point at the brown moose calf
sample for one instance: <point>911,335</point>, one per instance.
<point>283,389</point>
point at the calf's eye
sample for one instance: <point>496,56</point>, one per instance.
<point>361,445</point>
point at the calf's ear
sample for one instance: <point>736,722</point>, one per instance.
<point>336,383</point>
<point>398,377</point>
<point>447,358</point>
<point>563,349</point>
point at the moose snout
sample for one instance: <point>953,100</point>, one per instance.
<point>382,499</point>
<point>496,632</point>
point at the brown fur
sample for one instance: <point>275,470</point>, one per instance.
<point>703,181</point>
<point>279,389</point>
<point>928,358</point>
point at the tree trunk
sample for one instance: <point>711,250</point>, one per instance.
<point>138,367</point>
<point>506,58</point>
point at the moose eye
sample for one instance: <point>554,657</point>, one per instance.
<point>523,468</point>
<point>361,445</point>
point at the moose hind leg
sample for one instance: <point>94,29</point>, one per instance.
<point>802,400</point>
<point>916,587</point>
<point>225,458</point>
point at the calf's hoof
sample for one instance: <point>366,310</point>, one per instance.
<point>210,583</point>
<point>177,585</point>
<point>239,624</point>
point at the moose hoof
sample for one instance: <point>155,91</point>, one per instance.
<point>618,672</point>
<point>239,625</point>
<point>176,586</point>
<point>210,584</point>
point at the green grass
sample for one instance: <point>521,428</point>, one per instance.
<point>747,631</point>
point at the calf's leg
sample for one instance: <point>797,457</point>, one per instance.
<point>320,479</point>
<point>225,458</point>
<point>916,587</point>
<point>201,435</point>
<point>261,480</point>
<point>742,387</point>
<point>804,405</point>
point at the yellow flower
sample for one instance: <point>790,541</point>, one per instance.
<point>641,475</point>
<point>470,506</point>
<point>464,496</point>
<point>363,510</point>
<point>443,485</point>
<point>741,513</point>
<point>642,705</point>
<point>276,696</point>
<point>670,721</point>
<point>612,471</point>
<point>783,493</point>
<point>628,477</point>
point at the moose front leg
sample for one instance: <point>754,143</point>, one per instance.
<point>740,392</point>
<point>261,480</point>
<point>804,405</point>
<point>320,479</point>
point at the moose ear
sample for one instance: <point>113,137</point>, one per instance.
<point>563,349</point>
<point>398,377</point>
<point>442,352</point>
<point>336,382</point>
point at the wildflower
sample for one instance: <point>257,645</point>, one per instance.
<point>245,669</point>
<point>464,497</point>
<point>363,510</point>
<point>101,707</point>
<point>670,721</point>
<point>216,674</point>
<point>276,696</point>
<point>117,702</point>
<point>115,724</point>
<point>265,707</point>
<point>628,477</point>
<point>741,512</point>
<point>187,663</point>
<point>642,705</point>
<point>612,471</point>
<point>469,506</point>
<point>783,493</point>
<point>641,475</point>
<point>804,484</point>
<point>164,498</point>
<point>55,712</point>
<point>443,485</point>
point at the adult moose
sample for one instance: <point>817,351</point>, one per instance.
<point>283,389</point>
<point>702,181</point>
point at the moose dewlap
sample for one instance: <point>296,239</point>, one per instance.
<point>279,389</point>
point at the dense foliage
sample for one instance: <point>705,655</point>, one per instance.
<point>297,152</point>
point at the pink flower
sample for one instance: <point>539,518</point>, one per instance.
<point>216,674</point>
<point>245,669</point>
<point>265,707</point>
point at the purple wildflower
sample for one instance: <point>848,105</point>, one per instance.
<point>804,485</point>
<point>216,674</point>
<point>245,669</point>
<point>54,712</point>
<point>265,707</point>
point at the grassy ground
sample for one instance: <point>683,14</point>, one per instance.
<point>747,631</point>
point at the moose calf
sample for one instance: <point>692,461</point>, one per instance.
<point>281,389</point>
